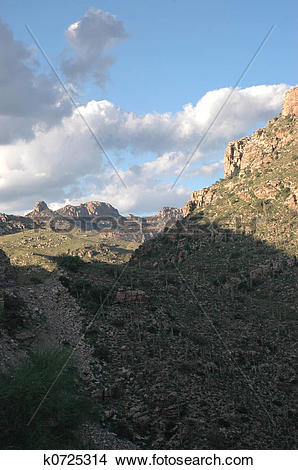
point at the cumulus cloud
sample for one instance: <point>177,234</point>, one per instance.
<point>64,164</point>
<point>91,40</point>
<point>29,100</point>
<point>154,132</point>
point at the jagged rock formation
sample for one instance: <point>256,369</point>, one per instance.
<point>290,104</point>
<point>259,149</point>
<point>131,226</point>
<point>89,209</point>
<point>194,347</point>
<point>40,209</point>
<point>199,199</point>
<point>168,213</point>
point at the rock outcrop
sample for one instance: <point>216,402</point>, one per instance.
<point>290,104</point>
<point>263,145</point>
<point>14,223</point>
<point>89,209</point>
<point>199,199</point>
<point>168,213</point>
<point>40,210</point>
<point>267,150</point>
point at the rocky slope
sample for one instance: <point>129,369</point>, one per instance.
<point>260,149</point>
<point>40,210</point>
<point>192,342</point>
<point>14,223</point>
<point>264,167</point>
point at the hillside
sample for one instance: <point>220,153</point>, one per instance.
<point>191,336</point>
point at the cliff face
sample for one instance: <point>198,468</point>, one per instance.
<point>264,144</point>
<point>269,151</point>
<point>168,213</point>
<point>290,104</point>
<point>40,209</point>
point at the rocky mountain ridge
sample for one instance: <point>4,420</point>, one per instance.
<point>84,215</point>
<point>252,158</point>
<point>87,209</point>
<point>193,340</point>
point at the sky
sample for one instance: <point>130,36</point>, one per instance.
<point>146,79</point>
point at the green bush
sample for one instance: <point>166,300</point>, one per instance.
<point>285,192</point>
<point>89,296</point>
<point>65,408</point>
<point>70,263</point>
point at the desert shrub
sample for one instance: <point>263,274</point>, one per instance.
<point>70,263</point>
<point>36,280</point>
<point>11,317</point>
<point>56,424</point>
<point>102,352</point>
<point>89,296</point>
<point>236,254</point>
<point>285,192</point>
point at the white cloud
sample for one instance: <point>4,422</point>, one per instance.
<point>91,40</point>
<point>29,100</point>
<point>64,163</point>
<point>166,132</point>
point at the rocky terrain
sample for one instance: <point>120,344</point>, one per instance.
<point>264,167</point>
<point>188,340</point>
<point>14,223</point>
<point>100,215</point>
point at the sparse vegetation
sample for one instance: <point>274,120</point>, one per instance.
<point>65,409</point>
<point>198,351</point>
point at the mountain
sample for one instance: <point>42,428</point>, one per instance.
<point>260,171</point>
<point>13,223</point>
<point>130,227</point>
<point>192,343</point>
<point>40,210</point>
<point>87,209</point>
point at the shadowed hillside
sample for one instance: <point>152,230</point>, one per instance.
<point>189,341</point>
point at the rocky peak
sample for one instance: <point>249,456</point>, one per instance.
<point>290,104</point>
<point>265,144</point>
<point>87,209</point>
<point>167,213</point>
<point>40,208</point>
<point>265,162</point>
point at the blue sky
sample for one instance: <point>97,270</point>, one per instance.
<point>167,55</point>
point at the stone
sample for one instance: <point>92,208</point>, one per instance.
<point>290,104</point>
<point>128,295</point>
